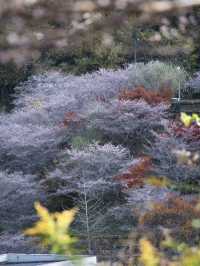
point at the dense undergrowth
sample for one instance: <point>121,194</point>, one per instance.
<point>99,142</point>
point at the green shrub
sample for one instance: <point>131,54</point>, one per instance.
<point>85,59</point>
<point>157,75</point>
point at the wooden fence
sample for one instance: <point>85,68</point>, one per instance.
<point>184,105</point>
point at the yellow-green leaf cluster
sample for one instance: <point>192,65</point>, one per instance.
<point>53,229</point>
<point>187,120</point>
<point>158,181</point>
<point>149,256</point>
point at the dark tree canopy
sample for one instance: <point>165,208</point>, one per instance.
<point>32,26</point>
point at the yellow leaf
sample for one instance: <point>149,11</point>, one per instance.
<point>42,211</point>
<point>149,256</point>
<point>65,218</point>
<point>195,117</point>
<point>158,181</point>
<point>186,119</point>
<point>191,258</point>
<point>53,229</point>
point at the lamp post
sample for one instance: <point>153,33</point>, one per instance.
<point>179,87</point>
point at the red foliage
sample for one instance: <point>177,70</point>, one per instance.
<point>150,96</point>
<point>190,134</point>
<point>175,214</point>
<point>70,118</point>
<point>135,175</point>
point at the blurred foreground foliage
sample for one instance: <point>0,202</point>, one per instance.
<point>53,230</point>
<point>169,235</point>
